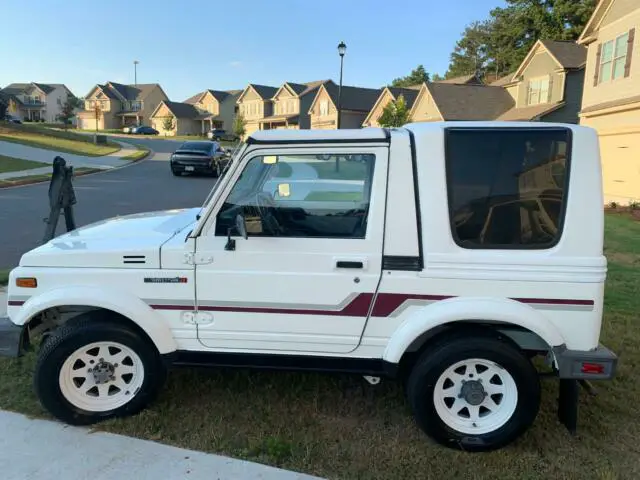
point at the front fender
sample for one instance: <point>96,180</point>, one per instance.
<point>117,301</point>
<point>469,309</point>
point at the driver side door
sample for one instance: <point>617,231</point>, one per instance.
<point>305,277</point>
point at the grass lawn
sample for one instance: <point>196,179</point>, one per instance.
<point>57,140</point>
<point>11,164</point>
<point>138,154</point>
<point>4,276</point>
<point>24,180</point>
<point>339,427</point>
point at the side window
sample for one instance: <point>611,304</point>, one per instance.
<point>507,188</point>
<point>292,195</point>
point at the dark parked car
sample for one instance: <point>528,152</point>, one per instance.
<point>199,157</point>
<point>221,134</point>
<point>11,119</point>
<point>142,130</point>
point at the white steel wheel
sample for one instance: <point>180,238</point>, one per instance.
<point>475,396</point>
<point>101,376</point>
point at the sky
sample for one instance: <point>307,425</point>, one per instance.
<point>188,45</point>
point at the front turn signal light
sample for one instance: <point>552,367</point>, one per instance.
<point>26,282</point>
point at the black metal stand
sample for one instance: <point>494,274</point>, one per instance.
<point>568,404</point>
<point>61,198</point>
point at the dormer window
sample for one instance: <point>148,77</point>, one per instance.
<point>538,91</point>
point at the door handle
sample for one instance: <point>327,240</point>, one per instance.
<point>349,264</point>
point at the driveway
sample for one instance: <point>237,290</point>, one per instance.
<point>145,186</point>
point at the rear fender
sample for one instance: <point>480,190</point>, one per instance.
<point>127,305</point>
<point>479,309</point>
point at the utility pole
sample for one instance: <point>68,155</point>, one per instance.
<point>135,72</point>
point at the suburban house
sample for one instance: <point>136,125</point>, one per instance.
<point>611,99</point>
<point>114,105</point>
<point>291,105</point>
<point>36,102</point>
<point>548,84</point>
<point>197,114</point>
<point>255,103</point>
<point>356,103</point>
<point>391,94</point>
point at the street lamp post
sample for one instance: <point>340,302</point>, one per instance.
<point>342,49</point>
<point>135,72</point>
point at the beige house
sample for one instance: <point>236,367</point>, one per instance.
<point>611,100</point>
<point>197,114</point>
<point>356,103</point>
<point>388,95</point>
<point>36,102</point>
<point>255,103</point>
<point>290,106</point>
<point>114,105</point>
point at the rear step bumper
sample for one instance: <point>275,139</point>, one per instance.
<point>598,364</point>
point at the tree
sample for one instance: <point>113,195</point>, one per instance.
<point>4,106</point>
<point>417,76</point>
<point>168,124</point>
<point>437,77</point>
<point>67,111</point>
<point>499,44</point>
<point>395,113</point>
<point>239,125</point>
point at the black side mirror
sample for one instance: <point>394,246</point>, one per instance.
<point>241,228</point>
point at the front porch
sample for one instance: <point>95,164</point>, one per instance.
<point>33,114</point>
<point>209,122</point>
<point>280,122</point>
<point>130,119</point>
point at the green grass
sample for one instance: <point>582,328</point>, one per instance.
<point>4,276</point>
<point>140,152</point>
<point>27,179</point>
<point>338,427</point>
<point>11,164</point>
<point>56,140</point>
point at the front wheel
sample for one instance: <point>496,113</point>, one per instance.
<point>474,393</point>
<point>91,370</point>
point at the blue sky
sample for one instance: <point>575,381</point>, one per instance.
<point>190,45</point>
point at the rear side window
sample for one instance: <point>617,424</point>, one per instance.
<point>507,188</point>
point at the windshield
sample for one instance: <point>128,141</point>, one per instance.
<point>235,155</point>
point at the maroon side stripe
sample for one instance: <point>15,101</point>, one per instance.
<point>385,305</point>
<point>15,303</point>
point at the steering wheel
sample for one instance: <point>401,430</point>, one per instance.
<point>264,205</point>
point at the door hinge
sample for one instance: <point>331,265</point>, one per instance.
<point>197,259</point>
<point>197,318</point>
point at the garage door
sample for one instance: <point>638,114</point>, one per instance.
<point>620,167</point>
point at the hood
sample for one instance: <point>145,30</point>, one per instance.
<point>129,241</point>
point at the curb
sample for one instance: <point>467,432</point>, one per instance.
<point>84,174</point>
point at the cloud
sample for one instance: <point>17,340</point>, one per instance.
<point>235,63</point>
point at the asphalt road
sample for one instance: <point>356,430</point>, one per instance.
<point>145,186</point>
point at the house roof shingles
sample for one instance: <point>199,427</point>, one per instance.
<point>470,102</point>
<point>507,79</point>
<point>182,110</point>
<point>18,88</point>
<point>569,54</point>
<point>265,91</point>
<point>358,99</point>
<point>409,93</point>
<point>529,113</point>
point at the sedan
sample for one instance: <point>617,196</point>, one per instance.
<point>199,157</point>
<point>142,130</point>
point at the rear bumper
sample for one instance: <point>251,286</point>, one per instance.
<point>598,364</point>
<point>11,338</point>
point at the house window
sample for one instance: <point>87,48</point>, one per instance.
<point>613,58</point>
<point>36,99</point>
<point>324,108</point>
<point>538,91</point>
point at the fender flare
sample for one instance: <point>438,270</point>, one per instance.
<point>127,305</point>
<point>453,310</point>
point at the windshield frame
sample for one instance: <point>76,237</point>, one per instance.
<point>233,163</point>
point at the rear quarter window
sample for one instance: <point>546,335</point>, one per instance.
<point>507,188</point>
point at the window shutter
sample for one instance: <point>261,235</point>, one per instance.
<point>597,72</point>
<point>627,65</point>
<point>549,88</point>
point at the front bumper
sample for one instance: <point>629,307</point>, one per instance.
<point>11,338</point>
<point>598,364</point>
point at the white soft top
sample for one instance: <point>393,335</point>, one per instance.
<point>369,133</point>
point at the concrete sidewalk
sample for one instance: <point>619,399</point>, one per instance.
<point>42,450</point>
<point>42,155</point>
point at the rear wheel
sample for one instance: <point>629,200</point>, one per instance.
<point>92,370</point>
<point>175,172</point>
<point>474,393</point>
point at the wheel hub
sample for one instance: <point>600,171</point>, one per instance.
<point>473,392</point>
<point>103,372</point>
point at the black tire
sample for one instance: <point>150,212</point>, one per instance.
<point>82,331</point>
<point>432,364</point>
<point>176,173</point>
